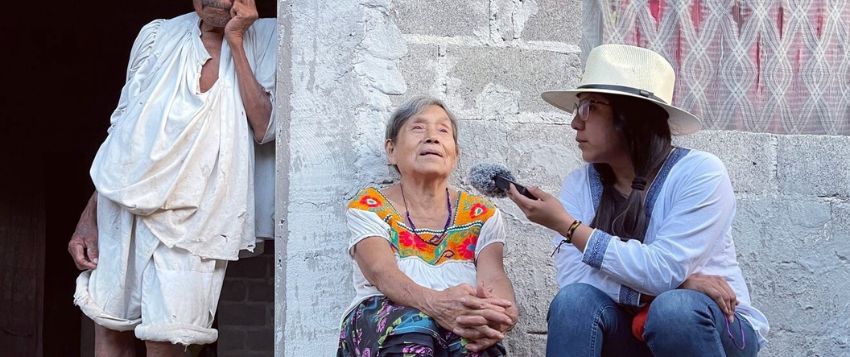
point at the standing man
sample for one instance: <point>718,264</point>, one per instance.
<point>174,180</point>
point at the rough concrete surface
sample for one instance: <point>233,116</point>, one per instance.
<point>351,62</point>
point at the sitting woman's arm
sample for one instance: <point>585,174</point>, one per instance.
<point>377,262</point>
<point>492,282</point>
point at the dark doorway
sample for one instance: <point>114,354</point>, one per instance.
<point>62,72</point>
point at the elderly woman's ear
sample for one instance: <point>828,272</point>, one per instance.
<point>389,147</point>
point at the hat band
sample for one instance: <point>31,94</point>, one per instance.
<point>630,90</point>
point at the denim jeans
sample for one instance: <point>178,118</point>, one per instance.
<point>584,321</point>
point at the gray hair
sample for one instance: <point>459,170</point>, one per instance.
<point>409,109</point>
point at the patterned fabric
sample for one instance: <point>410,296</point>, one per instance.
<point>763,66</point>
<point>377,326</point>
<point>459,242</point>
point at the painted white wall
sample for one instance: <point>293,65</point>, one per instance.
<point>345,64</point>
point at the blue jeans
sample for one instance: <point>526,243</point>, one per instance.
<point>584,321</point>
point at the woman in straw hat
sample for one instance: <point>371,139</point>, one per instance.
<point>644,252</point>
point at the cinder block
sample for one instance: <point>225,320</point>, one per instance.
<point>230,340</point>
<point>841,231</point>
<point>538,154</point>
<point>531,270</point>
<point>260,291</point>
<point>750,158</point>
<point>255,267</point>
<point>261,340</point>
<point>488,81</point>
<point>788,251</point>
<point>242,314</point>
<point>441,17</point>
<point>814,165</point>
<point>554,20</point>
<point>233,290</point>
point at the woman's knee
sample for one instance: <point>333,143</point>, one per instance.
<point>677,308</point>
<point>575,296</point>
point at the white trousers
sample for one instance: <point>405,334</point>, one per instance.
<point>163,294</point>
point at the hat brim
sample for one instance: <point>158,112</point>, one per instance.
<point>680,121</point>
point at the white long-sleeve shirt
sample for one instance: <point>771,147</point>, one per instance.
<point>179,159</point>
<point>691,206</point>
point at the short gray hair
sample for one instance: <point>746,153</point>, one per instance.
<point>409,109</point>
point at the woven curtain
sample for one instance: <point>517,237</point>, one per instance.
<point>762,66</point>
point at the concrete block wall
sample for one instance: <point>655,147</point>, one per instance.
<point>351,62</point>
<point>792,234</point>
<point>246,307</point>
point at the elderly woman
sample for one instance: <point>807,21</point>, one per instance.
<point>644,250</point>
<point>428,270</point>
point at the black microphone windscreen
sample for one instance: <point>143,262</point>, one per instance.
<point>482,178</point>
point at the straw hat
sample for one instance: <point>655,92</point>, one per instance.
<point>629,71</point>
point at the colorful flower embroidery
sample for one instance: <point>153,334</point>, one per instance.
<point>370,201</point>
<point>408,240</point>
<point>458,243</point>
<point>466,248</point>
<point>477,210</point>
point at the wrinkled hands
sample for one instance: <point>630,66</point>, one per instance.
<point>546,210</point>
<point>83,243</point>
<point>716,288</point>
<point>470,323</point>
<point>243,13</point>
<point>474,314</point>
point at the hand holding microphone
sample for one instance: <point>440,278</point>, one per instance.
<point>495,180</point>
<point>539,206</point>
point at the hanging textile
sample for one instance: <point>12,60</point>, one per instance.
<point>762,66</point>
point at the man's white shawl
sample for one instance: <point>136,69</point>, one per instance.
<point>181,160</point>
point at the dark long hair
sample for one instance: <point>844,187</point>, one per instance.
<point>644,128</point>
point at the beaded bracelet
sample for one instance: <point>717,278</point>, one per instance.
<point>569,236</point>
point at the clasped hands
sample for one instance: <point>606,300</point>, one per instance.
<point>473,313</point>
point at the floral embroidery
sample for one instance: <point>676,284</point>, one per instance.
<point>466,248</point>
<point>370,201</point>
<point>477,210</point>
<point>459,242</point>
<point>409,240</point>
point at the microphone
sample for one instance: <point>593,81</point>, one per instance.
<point>494,180</point>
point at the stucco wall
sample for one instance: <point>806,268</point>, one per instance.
<point>351,61</point>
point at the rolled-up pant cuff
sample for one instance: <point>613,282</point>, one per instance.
<point>183,334</point>
<point>91,309</point>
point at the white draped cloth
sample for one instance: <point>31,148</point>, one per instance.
<point>182,160</point>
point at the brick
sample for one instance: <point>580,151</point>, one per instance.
<point>242,314</point>
<point>261,291</point>
<point>442,17</point>
<point>814,165</point>
<point>233,290</point>
<point>244,353</point>
<point>230,339</point>
<point>254,267</point>
<point>260,340</point>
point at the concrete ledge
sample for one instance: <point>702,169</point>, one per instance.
<point>814,165</point>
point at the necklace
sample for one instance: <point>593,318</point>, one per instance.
<point>436,239</point>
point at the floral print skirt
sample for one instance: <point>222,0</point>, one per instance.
<point>378,327</point>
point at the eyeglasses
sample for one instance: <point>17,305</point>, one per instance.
<point>584,106</point>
